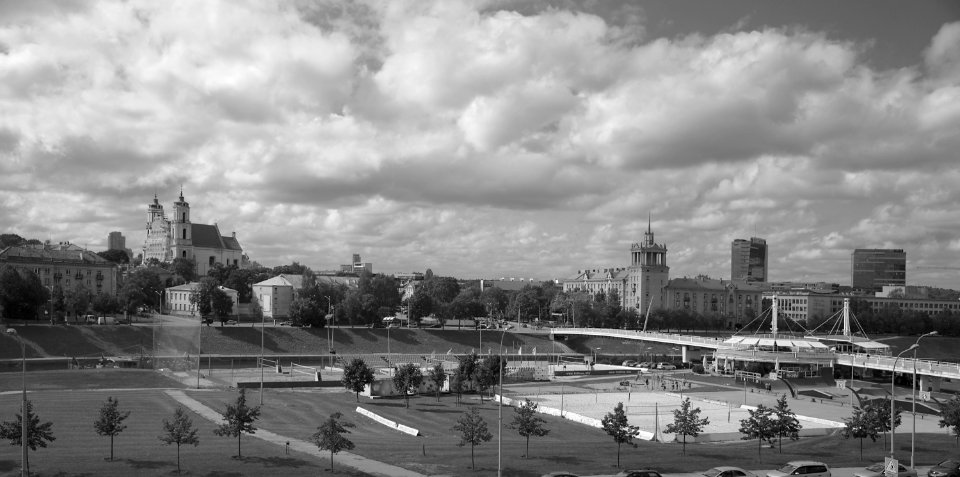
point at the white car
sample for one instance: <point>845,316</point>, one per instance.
<point>666,366</point>
<point>876,470</point>
<point>726,471</point>
<point>801,468</point>
<point>629,363</point>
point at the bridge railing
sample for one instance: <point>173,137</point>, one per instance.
<point>904,365</point>
<point>652,335</point>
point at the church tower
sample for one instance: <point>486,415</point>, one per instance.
<point>648,275</point>
<point>181,229</point>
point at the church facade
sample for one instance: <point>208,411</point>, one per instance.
<point>639,286</point>
<point>174,237</point>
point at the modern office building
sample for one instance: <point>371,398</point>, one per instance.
<point>872,268</point>
<point>357,267</point>
<point>116,241</point>
<point>748,260</point>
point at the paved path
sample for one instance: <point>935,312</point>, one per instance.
<point>347,459</point>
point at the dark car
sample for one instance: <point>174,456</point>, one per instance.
<point>947,468</point>
<point>638,473</point>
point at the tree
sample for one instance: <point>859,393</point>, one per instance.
<point>473,431</point>
<point>950,416</point>
<point>758,426</point>
<point>488,372</point>
<point>407,379</point>
<point>239,419</point>
<point>21,293</point>
<point>882,411</point>
<point>528,423</point>
<point>457,383</point>
<point>786,424</point>
<point>179,432</point>
<point>115,256</point>
<point>862,423</point>
<point>222,305</point>
<point>110,423</point>
<point>105,304</point>
<point>329,436</point>
<point>77,300</point>
<point>307,312</point>
<point>356,376</point>
<point>37,434</point>
<point>437,376</point>
<point>616,426</point>
<point>686,422</point>
<point>186,268</point>
<point>202,296</point>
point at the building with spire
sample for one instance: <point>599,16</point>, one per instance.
<point>178,237</point>
<point>639,286</point>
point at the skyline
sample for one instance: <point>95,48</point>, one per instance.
<point>492,138</point>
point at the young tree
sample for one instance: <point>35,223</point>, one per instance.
<point>467,370</point>
<point>202,296</point>
<point>758,426</point>
<point>438,376</point>
<point>356,376</point>
<point>221,304</point>
<point>616,426</point>
<point>488,372</point>
<point>457,383</point>
<point>528,423</point>
<point>329,436</point>
<point>882,411</point>
<point>686,422</point>
<point>862,423</point>
<point>110,423</point>
<point>473,431</point>
<point>407,379</point>
<point>239,419</point>
<point>786,424</point>
<point>950,416</point>
<point>37,434</point>
<point>179,432</point>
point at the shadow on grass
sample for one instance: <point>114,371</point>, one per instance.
<point>146,464</point>
<point>8,465</point>
<point>277,462</point>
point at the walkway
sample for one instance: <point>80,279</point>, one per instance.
<point>347,459</point>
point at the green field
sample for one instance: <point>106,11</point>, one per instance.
<point>67,399</point>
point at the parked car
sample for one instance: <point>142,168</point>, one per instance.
<point>638,473</point>
<point>232,322</point>
<point>631,363</point>
<point>560,474</point>
<point>666,366</point>
<point>645,366</point>
<point>727,471</point>
<point>877,470</point>
<point>803,468</point>
<point>947,468</point>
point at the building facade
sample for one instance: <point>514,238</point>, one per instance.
<point>735,301</point>
<point>748,260</point>
<point>64,265</point>
<point>640,286</point>
<point>168,239</point>
<point>871,269</point>
<point>177,299</point>
<point>801,306</point>
<point>357,267</point>
<point>276,294</point>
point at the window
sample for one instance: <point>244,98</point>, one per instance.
<point>211,261</point>
<point>184,234</point>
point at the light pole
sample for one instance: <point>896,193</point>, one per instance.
<point>260,359</point>
<point>893,400</point>
<point>913,398</point>
<point>329,325</point>
<point>23,409</point>
<point>500,366</point>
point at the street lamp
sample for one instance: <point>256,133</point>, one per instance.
<point>260,359</point>
<point>500,367</point>
<point>23,409</point>
<point>893,400</point>
<point>913,399</point>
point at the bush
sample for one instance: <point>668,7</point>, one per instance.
<point>698,369</point>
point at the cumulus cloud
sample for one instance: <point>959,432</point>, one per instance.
<point>491,138</point>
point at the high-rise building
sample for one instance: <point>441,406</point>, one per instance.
<point>748,260</point>
<point>116,241</point>
<point>872,268</point>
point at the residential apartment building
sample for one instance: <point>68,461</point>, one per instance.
<point>748,260</point>
<point>871,268</point>
<point>276,294</point>
<point>736,301</point>
<point>64,265</point>
<point>177,299</point>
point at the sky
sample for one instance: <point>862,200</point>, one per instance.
<point>526,139</point>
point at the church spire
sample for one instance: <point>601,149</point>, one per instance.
<point>181,192</point>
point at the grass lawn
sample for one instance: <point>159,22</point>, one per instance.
<point>78,450</point>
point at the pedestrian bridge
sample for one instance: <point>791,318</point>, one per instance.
<point>936,369</point>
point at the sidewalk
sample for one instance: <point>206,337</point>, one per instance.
<point>347,459</point>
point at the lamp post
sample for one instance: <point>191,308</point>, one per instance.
<point>913,396</point>
<point>893,400</point>
<point>260,359</point>
<point>23,409</point>
<point>500,367</point>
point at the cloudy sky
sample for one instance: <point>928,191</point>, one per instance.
<point>492,138</point>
